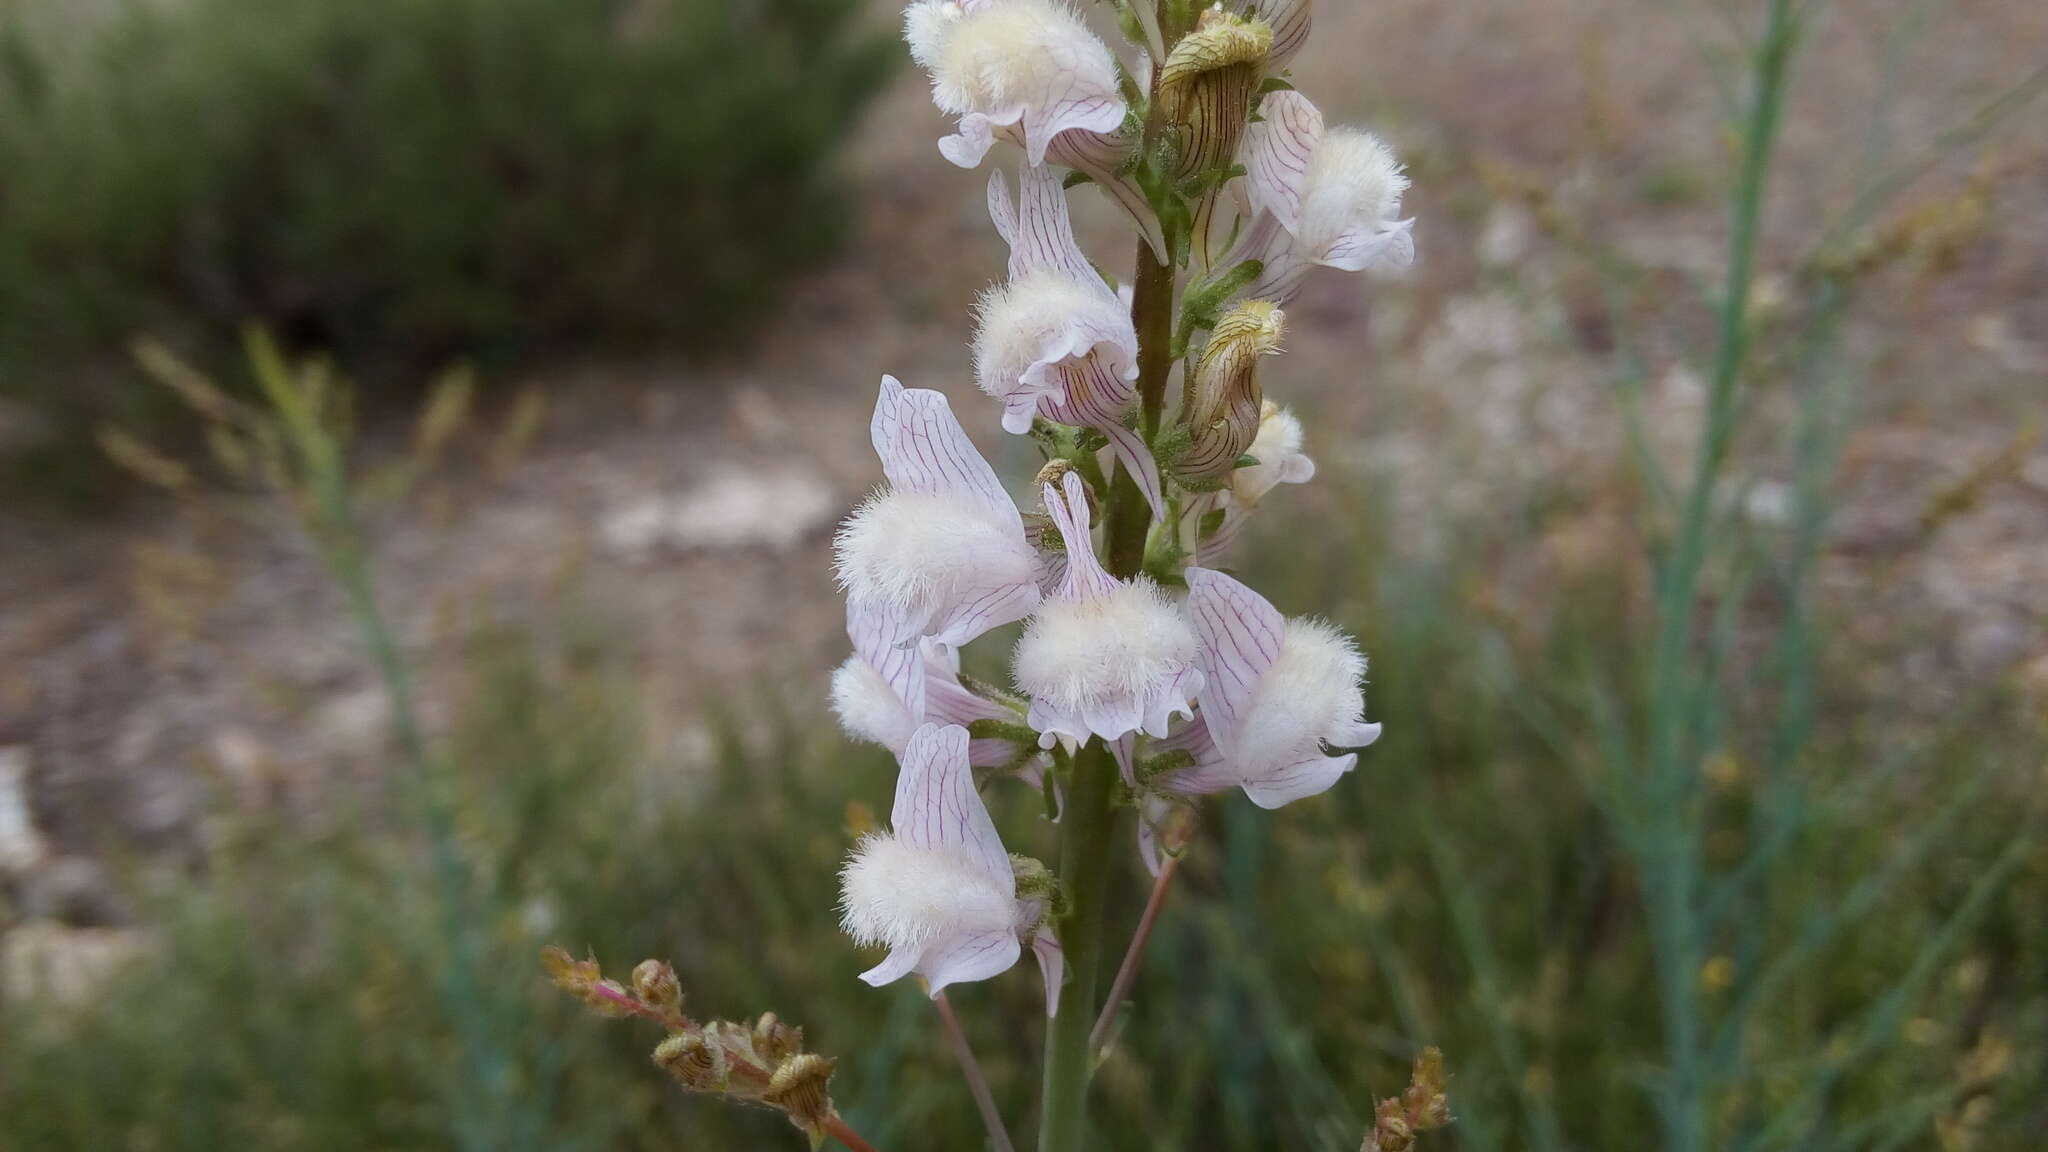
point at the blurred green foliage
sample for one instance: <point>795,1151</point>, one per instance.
<point>405,182</point>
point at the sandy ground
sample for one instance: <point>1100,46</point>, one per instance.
<point>148,663</point>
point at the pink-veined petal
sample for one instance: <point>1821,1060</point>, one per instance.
<point>967,957</point>
<point>1085,578</point>
<point>1290,21</point>
<point>938,807</point>
<point>1283,265</point>
<point>1277,152</point>
<point>996,606</point>
<point>1122,747</point>
<point>1072,107</point>
<point>924,449</point>
<point>1240,635</point>
<point>877,633</point>
<point>1043,235</point>
<point>1128,449</point>
<point>1103,157</point>
<point>1052,963</point>
<point>1310,777</point>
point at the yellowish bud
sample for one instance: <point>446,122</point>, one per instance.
<point>1206,89</point>
<point>1222,402</point>
<point>776,1041</point>
<point>800,1088</point>
<point>695,1062</point>
<point>656,983</point>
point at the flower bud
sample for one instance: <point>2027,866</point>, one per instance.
<point>1206,89</point>
<point>776,1041</point>
<point>695,1062</point>
<point>1222,404</point>
<point>655,982</point>
<point>800,1088</point>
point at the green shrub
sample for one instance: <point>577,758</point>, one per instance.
<point>406,181</point>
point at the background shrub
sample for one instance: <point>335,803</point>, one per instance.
<point>406,181</point>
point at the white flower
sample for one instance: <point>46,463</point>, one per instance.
<point>1056,340</point>
<point>1277,448</point>
<point>1317,196</point>
<point>872,708</point>
<point>939,552</point>
<point>1275,692</point>
<point>938,890</point>
<point>1103,657</point>
<point>1031,65</point>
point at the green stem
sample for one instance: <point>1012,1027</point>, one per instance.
<point>1085,835</point>
<point>1090,818</point>
<point>1672,871</point>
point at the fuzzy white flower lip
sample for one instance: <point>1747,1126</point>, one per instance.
<point>938,890</point>
<point>1317,196</point>
<point>940,552</point>
<point>1056,340</point>
<point>1275,692</point>
<point>1029,65</point>
<point>1102,657</point>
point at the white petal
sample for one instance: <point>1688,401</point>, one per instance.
<point>1278,152</point>
<point>938,807</point>
<point>900,962</point>
<point>878,632</point>
<point>1102,156</point>
<point>1044,232</point>
<point>1128,448</point>
<point>964,958</point>
<point>924,449</point>
<point>1290,22</point>
<point>1310,777</point>
<point>1086,579</point>
<point>1364,245</point>
<point>970,142</point>
<point>1240,634</point>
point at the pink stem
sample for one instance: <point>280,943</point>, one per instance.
<point>1127,973</point>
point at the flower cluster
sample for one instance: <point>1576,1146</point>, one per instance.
<point>1134,650</point>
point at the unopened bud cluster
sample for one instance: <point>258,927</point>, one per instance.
<point>1423,1106</point>
<point>757,1062</point>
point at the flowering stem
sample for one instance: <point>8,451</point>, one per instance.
<point>1086,828</point>
<point>977,1084</point>
<point>1127,973</point>
<point>1084,879</point>
<point>846,1135</point>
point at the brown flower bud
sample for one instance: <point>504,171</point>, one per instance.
<point>695,1062</point>
<point>800,1088</point>
<point>1221,403</point>
<point>656,983</point>
<point>1206,88</point>
<point>776,1041</point>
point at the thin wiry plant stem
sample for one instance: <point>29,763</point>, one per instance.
<point>338,535</point>
<point>1127,972</point>
<point>1672,869</point>
<point>970,1068</point>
